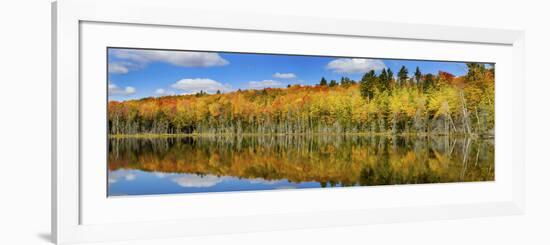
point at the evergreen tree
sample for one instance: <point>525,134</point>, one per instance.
<point>476,71</point>
<point>332,83</point>
<point>390,77</point>
<point>323,82</point>
<point>402,75</point>
<point>384,80</point>
<point>200,93</point>
<point>368,84</point>
<point>417,76</point>
<point>429,81</point>
<point>344,81</point>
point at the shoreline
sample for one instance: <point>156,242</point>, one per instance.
<point>151,135</point>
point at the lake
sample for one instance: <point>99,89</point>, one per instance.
<point>195,164</point>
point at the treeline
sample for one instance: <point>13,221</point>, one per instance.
<point>378,103</point>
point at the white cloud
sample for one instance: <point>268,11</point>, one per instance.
<point>163,92</point>
<point>118,68</point>
<point>159,175</point>
<point>264,84</point>
<point>195,85</point>
<point>122,67</point>
<point>130,177</point>
<point>197,181</point>
<point>286,187</point>
<point>346,65</point>
<point>263,181</point>
<point>115,90</point>
<point>284,75</point>
<point>115,176</point>
<point>177,58</point>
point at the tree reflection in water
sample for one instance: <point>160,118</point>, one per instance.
<point>327,160</point>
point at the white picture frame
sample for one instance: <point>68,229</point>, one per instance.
<point>71,197</point>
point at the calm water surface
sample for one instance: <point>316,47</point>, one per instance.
<point>144,166</point>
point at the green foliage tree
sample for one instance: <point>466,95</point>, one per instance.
<point>390,75</point>
<point>385,79</point>
<point>418,76</point>
<point>346,82</point>
<point>333,83</point>
<point>368,84</point>
<point>402,75</point>
<point>476,71</point>
<point>323,82</point>
<point>429,81</point>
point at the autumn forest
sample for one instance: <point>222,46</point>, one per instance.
<point>188,122</point>
<point>378,103</point>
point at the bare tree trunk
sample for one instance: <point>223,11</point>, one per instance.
<point>478,123</point>
<point>466,152</point>
<point>451,121</point>
<point>465,114</point>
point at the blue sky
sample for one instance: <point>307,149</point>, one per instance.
<point>138,73</point>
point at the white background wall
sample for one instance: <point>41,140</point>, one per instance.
<point>25,122</point>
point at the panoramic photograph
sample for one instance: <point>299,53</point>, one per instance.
<point>203,121</point>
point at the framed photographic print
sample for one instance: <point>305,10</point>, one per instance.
<point>168,125</point>
<point>203,121</point>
